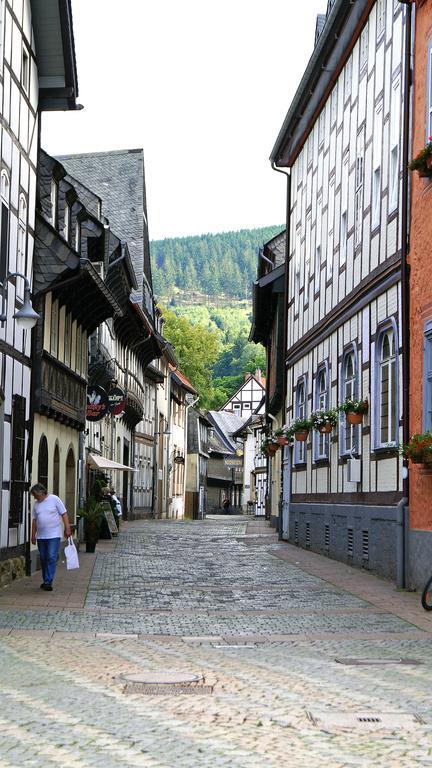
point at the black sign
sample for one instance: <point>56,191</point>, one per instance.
<point>97,403</point>
<point>117,401</point>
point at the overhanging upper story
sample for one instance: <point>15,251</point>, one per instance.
<point>55,54</point>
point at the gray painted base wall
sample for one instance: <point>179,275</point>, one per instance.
<point>375,549</point>
<point>140,513</point>
<point>419,559</point>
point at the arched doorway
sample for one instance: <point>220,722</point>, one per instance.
<point>56,471</point>
<point>42,473</point>
<point>70,484</point>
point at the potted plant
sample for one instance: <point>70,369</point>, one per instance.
<point>354,410</point>
<point>418,449</point>
<point>300,429</point>
<point>269,446</point>
<point>423,161</point>
<point>282,436</point>
<point>93,514</point>
<point>324,421</point>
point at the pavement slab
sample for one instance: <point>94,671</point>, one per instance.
<point>261,623</point>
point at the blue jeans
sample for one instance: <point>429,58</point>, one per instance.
<point>48,552</point>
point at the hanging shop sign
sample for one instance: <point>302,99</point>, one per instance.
<point>97,403</point>
<point>234,462</point>
<point>117,401</point>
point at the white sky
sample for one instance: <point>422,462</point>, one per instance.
<point>203,87</point>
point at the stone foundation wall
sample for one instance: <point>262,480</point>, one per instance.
<point>12,569</point>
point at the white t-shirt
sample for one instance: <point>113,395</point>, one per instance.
<point>47,514</point>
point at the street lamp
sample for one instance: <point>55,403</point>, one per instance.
<point>26,317</point>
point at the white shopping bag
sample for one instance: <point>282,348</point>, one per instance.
<point>71,555</point>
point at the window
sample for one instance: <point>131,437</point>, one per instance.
<point>4,227</point>
<point>297,269</point>
<point>67,221</point>
<point>348,392</point>
<point>300,449</point>
<point>358,204</point>
<point>387,417</point>
<point>394,145</point>
<point>54,328</point>
<point>310,149</point>
<point>348,79</point>
<point>318,244</point>
<point>427,398</point>
<point>334,105</point>
<point>17,461</point>
<point>22,240</point>
<point>54,199</point>
<point>43,462</point>
<point>330,227</point>
<point>380,12</point>
<point>77,236</point>
<point>68,339</point>
<point>364,48</point>
<point>376,173</point>
<point>322,442</point>
<point>343,239</point>
<point>307,258</point>
<point>25,70</point>
<point>321,128</point>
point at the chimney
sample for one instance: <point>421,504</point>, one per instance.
<point>246,376</point>
<point>258,374</point>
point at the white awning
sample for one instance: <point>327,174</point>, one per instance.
<point>98,462</point>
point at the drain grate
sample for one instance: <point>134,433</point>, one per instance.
<point>161,683</point>
<point>380,720</point>
<point>229,645</point>
<point>366,661</point>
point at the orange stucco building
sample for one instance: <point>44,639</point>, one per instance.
<point>420,259</point>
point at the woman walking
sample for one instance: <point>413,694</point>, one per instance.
<point>48,510</point>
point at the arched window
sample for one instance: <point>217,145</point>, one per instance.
<point>70,484</point>
<point>5,186</point>
<point>322,442</point>
<point>387,417</point>
<point>300,450</point>
<point>22,242</point>
<point>348,433</point>
<point>4,230</point>
<point>56,471</point>
<point>43,461</point>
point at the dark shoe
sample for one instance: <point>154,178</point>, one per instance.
<point>47,587</point>
<point>42,586</point>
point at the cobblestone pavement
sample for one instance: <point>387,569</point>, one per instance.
<point>261,623</point>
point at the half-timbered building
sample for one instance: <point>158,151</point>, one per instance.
<point>37,73</point>
<point>247,397</point>
<point>341,145</point>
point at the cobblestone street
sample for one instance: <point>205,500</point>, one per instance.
<point>260,623</point>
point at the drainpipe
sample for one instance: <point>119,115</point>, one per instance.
<point>285,326</point>
<point>402,523</point>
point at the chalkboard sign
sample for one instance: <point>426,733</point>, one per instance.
<point>112,526</point>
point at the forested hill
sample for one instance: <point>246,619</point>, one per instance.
<point>225,263</point>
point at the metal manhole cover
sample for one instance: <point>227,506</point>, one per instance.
<point>365,661</point>
<point>366,719</point>
<point>163,683</point>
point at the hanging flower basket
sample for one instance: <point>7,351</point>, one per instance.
<point>422,163</point>
<point>354,410</point>
<point>419,449</point>
<point>301,435</point>
<point>324,421</point>
<point>325,429</point>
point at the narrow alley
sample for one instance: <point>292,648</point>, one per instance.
<point>212,644</point>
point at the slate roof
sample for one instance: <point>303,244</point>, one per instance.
<point>277,248</point>
<point>118,178</point>
<point>227,424</point>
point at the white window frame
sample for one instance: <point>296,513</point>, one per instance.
<point>376,169</point>
<point>380,18</point>
<point>22,245</point>
<point>359,179</point>
<point>364,49</point>
<point>348,73</point>
<point>297,269</point>
<point>394,160</point>
<point>321,399</point>
<point>318,248</point>
<point>330,228</point>
<point>307,258</point>
<point>348,391</point>
<point>388,367</point>
<point>300,448</point>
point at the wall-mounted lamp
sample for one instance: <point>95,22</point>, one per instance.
<point>26,317</point>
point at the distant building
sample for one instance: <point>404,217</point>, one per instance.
<point>226,463</point>
<point>197,458</point>
<point>248,396</point>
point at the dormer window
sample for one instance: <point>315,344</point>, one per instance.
<point>67,221</point>
<point>54,201</point>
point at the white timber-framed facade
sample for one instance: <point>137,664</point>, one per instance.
<point>343,305</point>
<point>37,72</point>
